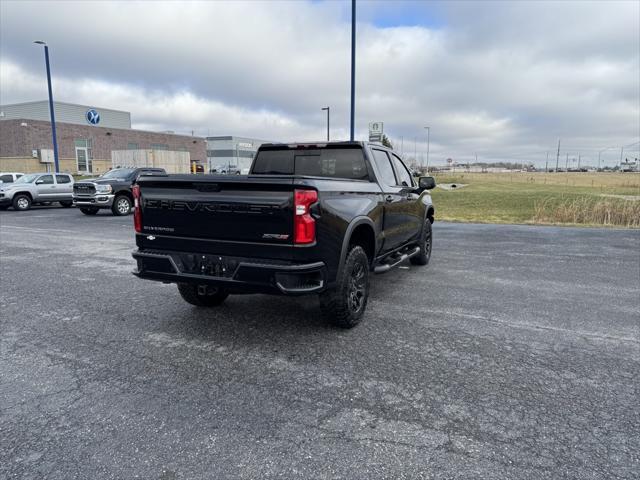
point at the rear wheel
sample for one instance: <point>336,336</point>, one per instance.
<point>121,205</point>
<point>344,305</point>
<point>202,295</point>
<point>89,210</point>
<point>21,202</point>
<point>66,204</point>
<point>426,242</point>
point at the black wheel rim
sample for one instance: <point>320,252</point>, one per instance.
<point>357,287</point>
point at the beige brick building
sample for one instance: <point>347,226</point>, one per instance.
<point>26,143</point>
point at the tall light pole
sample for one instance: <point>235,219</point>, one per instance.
<point>428,139</point>
<point>353,67</point>
<point>328,109</point>
<point>51,112</point>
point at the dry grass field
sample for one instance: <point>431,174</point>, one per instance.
<point>591,199</point>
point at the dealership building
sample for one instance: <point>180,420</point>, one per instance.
<point>86,137</point>
<point>231,151</point>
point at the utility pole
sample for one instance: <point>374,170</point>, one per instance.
<point>546,165</point>
<point>428,141</point>
<point>579,158</point>
<point>621,150</point>
<point>599,160</point>
<point>557,156</point>
<point>415,150</point>
<point>328,109</point>
<point>353,67</point>
<point>566,164</point>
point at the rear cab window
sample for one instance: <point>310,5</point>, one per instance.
<point>6,178</point>
<point>342,162</point>
<point>63,179</point>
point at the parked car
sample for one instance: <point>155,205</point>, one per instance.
<point>309,219</point>
<point>229,170</point>
<point>112,190</point>
<point>9,177</point>
<point>35,189</point>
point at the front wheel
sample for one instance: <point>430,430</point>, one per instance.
<point>344,305</point>
<point>202,295</point>
<point>121,205</point>
<point>21,202</point>
<point>425,244</point>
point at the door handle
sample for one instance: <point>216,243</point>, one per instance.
<point>388,198</point>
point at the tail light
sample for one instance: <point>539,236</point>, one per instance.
<point>304,225</point>
<point>137,212</point>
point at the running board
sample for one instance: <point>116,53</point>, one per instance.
<point>388,266</point>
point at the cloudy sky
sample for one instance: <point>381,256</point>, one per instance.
<point>503,80</point>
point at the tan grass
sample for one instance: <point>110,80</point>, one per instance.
<point>586,210</point>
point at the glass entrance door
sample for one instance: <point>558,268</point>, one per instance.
<point>82,160</point>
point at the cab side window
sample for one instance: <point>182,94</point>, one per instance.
<point>404,175</point>
<point>384,167</point>
<point>45,180</point>
<point>6,178</point>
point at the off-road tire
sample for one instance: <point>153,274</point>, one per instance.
<point>426,244</point>
<point>89,210</point>
<point>66,204</point>
<point>118,205</point>
<point>344,305</point>
<point>190,295</point>
<point>22,202</point>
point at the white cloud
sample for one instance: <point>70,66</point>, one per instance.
<point>504,80</point>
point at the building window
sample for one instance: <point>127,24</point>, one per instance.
<point>132,146</point>
<point>159,146</point>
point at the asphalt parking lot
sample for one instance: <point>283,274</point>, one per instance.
<point>514,354</point>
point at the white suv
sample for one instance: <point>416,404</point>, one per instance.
<point>9,177</point>
<point>36,188</point>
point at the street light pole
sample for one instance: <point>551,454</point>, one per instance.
<point>51,112</point>
<point>328,109</point>
<point>353,67</point>
<point>428,141</point>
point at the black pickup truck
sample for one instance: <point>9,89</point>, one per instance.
<point>308,219</point>
<point>112,190</point>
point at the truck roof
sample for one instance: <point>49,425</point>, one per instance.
<point>320,144</point>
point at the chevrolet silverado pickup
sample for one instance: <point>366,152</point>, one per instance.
<point>308,219</point>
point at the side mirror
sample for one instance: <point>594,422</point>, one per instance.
<point>426,183</point>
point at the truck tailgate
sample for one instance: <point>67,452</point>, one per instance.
<point>242,209</point>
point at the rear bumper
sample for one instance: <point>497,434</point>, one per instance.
<point>235,274</point>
